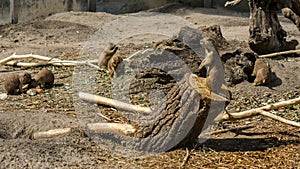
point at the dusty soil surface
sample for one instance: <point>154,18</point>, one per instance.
<point>265,144</point>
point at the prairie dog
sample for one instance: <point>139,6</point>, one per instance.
<point>43,79</point>
<point>262,73</point>
<point>14,82</point>
<point>113,63</point>
<point>215,71</point>
<point>106,55</point>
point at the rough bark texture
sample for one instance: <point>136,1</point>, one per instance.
<point>180,116</point>
<point>266,33</point>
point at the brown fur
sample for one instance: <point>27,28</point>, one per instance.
<point>43,79</point>
<point>105,56</point>
<point>25,78</point>
<point>14,82</point>
<point>113,63</point>
<point>262,73</point>
<point>215,72</point>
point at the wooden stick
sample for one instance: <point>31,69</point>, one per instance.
<point>28,56</point>
<point>185,160</point>
<point>232,3</point>
<point>283,120</point>
<point>56,63</point>
<point>280,53</point>
<point>106,118</point>
<point>261,111</point>
<point>12,60</point>
<point>113,103</point>
<point>51,133</point>
<point>112,127</point>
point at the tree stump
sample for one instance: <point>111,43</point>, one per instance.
<point>187,102</point>
<point>266,33</point>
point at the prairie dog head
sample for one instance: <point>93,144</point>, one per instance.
<point>25,78</point>
<point>44,78</point>
<point>107,54</point>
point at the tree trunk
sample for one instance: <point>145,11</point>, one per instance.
<point>266,33</point>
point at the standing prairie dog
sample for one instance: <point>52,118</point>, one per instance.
<point>106,55</point>
<point>13,83</point>
<point>43,79</point>
<point>113,63</point>
<point>262,73</point>
<point>215,71</point>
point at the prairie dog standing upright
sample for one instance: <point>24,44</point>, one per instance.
<point>262,73</point>
<point>14,82</point>
<point>113,63</point>
<point>43,79</point>
<point>215,71</point>
<point>106,55</point>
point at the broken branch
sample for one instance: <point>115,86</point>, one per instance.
<point>51,133</point>
<point>280,53</point>
<point>283,120</point>
<point>261,111</point>
<point>113,103</point>
<point>232,3</point>
<point>112,127</point>
<point>185,160</point>
<point>12,61</point>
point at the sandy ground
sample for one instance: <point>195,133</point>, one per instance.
<point>266,144</point>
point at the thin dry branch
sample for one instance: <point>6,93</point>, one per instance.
<point>261,111</point>
<point>232,3</point>
<point>280,53</point>
<point>44,61</point>
<point>112,127</point>
<point>185,160</point>
<point>113,103</point>
<point>106,118</point>
<point>283,120</point>
<point>51,133</point>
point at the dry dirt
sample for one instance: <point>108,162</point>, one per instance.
<point>265,144</point>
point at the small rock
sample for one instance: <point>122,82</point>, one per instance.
<point>3,96</point>
<point>31,92</point>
